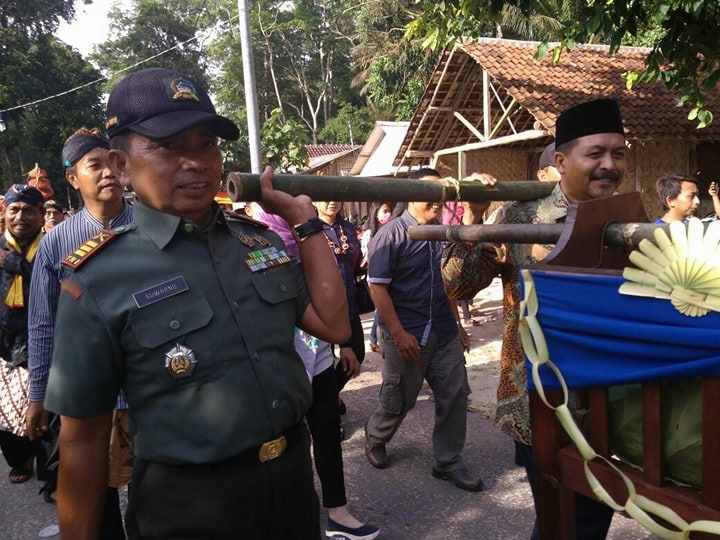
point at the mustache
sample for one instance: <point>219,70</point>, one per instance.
<point>605,175</point>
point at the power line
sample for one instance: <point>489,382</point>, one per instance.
<point>101,79</point>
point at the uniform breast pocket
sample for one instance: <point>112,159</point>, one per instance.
<point>275,286</point>
<point>170,320</point>
<point>174,344</point>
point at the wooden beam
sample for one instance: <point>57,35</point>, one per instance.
<point>486,105</point>
<point>461,165</point>
<point>419,153</point>
<point>419,127</point>
<point>501,120</point>
<point>497,97</point>
<point>465,122</point>
<point>520,137</point>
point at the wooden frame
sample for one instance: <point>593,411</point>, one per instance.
<point>559,468</point>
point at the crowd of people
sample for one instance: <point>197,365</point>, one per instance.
<point>176,348</point>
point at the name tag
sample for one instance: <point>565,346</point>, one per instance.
<point>160,291</point>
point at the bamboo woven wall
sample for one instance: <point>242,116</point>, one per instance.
<point>654,159</point>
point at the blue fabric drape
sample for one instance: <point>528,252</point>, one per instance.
<point>599,337</point>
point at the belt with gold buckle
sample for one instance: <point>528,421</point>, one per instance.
<point>272,449</point>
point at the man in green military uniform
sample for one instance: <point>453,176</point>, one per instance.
<point>192,313</point>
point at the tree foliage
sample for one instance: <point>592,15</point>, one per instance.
<point>35,66</point>
<point>158,33</point>
<point>351,125</point>
<point>684,36</point>
<point>391,72</point>
<point>283,143</point>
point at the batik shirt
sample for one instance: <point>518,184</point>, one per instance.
<point>513,408</point>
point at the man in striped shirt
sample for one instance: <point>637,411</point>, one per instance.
<point>86,170</point>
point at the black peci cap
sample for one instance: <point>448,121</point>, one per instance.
<point>589,118</point>
<point>159,103</point>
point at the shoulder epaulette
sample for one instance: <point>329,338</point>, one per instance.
<point>78,257</point>
<point>247,220</point>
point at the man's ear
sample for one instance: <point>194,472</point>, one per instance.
<point>560,162</point>
<point>119,165</point>
<point>72,180</point>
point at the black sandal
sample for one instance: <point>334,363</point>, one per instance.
<point>47,492</point>
<point>20,475</point>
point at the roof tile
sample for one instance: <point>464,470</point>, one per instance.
<point>544,90</point>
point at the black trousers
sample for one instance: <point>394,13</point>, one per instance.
<point>357,343</point>
<point>17,450</point>
<point>275,500</point>
<point>324,422</point>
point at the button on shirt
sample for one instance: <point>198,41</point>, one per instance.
<point>247,385</point>
<point>411,270</point>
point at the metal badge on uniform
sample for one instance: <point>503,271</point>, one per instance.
<point>247,240</point>
<point>262,259</point>
<point>260,239</point>
<point>180,361</point>
<point>158,292</point>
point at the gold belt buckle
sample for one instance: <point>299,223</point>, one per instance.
<point>272,449</point>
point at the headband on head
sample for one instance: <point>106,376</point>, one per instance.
<point>24,193</point>
<point>599,116</point>
<point>76,147</point>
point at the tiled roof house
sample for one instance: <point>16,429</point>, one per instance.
<point>491,106</point>
<point>330,159</point>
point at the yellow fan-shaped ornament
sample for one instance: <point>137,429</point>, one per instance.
<point>683,268</point>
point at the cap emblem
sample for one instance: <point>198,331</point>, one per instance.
<point>183,90</point>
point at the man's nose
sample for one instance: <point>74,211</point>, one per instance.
<point>607,161</point>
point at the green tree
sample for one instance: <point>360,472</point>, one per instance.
<point>350,123</point>
<point>156,33</point>
<point>283,143</point>
<point>37,74</point>
<point>683,36</point>
<point>302,60</point>
<point>391,72</point>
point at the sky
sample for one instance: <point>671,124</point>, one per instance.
<point>90,26</point>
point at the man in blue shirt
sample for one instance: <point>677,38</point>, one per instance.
<point>421,338</point>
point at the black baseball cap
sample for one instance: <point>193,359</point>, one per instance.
<point>159,103</point>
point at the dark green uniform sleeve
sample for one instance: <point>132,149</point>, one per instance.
<point>85,376</point>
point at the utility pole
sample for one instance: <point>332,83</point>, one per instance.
<point>248,67</point>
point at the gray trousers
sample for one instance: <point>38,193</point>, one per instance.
<point>444,369</point>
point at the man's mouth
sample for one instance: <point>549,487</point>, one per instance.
<point>195,185</point>
<point>110,185</point>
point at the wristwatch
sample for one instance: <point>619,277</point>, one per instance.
<point>310,227</point>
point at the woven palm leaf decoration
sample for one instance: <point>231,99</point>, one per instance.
<point>683,268</point>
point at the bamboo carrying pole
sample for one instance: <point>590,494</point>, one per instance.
<point>246,187</point>
<point>616,234</point>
